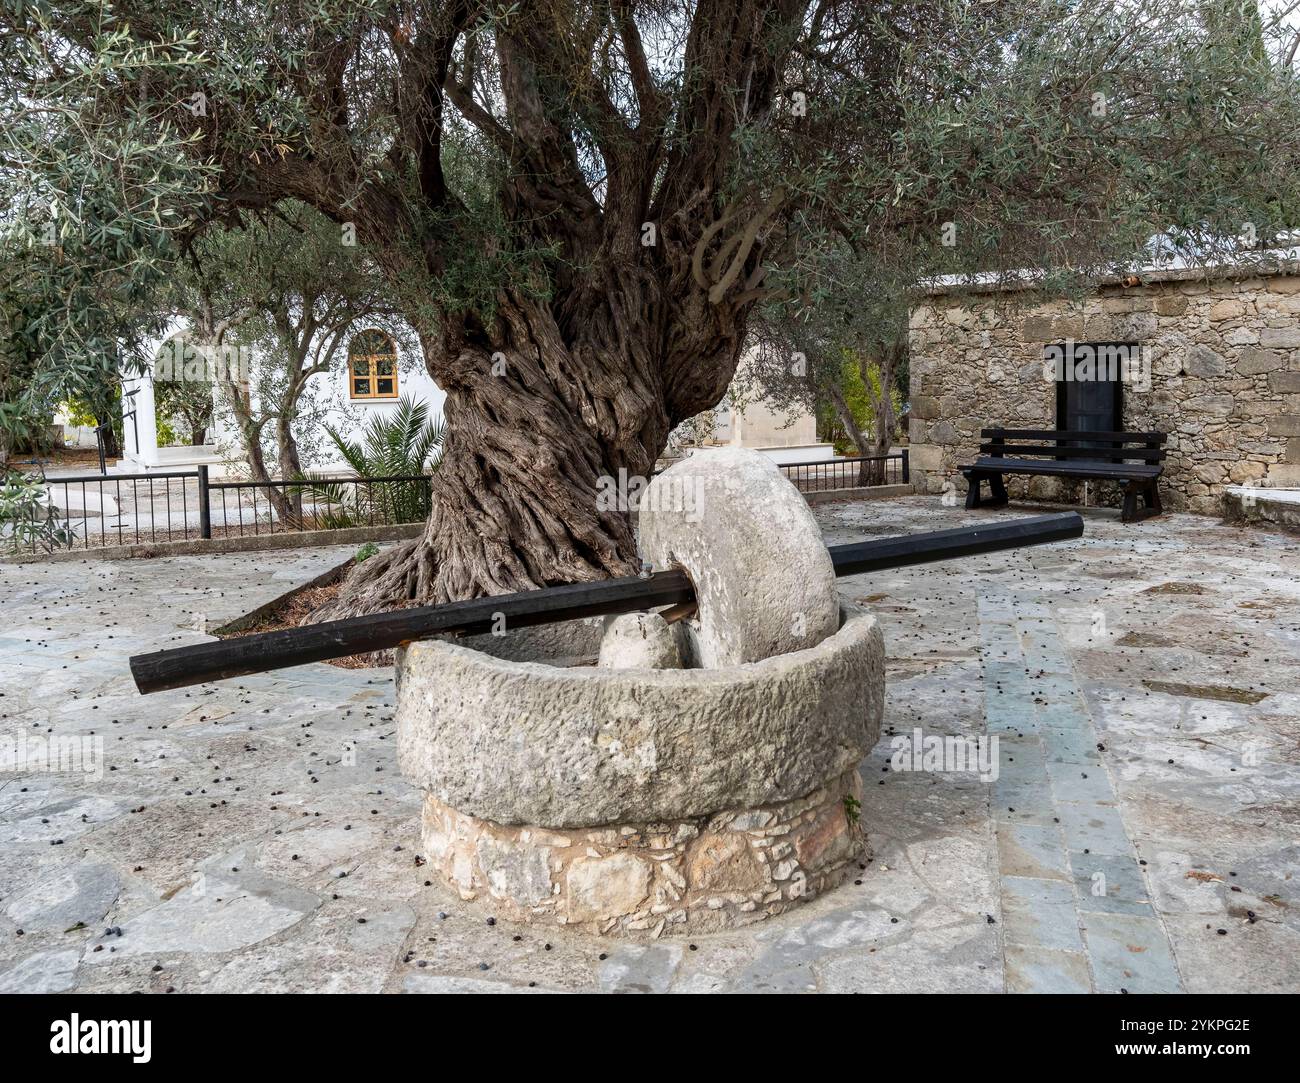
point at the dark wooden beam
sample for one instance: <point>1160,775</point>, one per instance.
<point>225,658</point>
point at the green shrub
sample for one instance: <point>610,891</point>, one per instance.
<point>28,519</point>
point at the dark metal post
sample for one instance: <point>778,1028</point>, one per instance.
<point>907,470</point>
<point>205,509</point>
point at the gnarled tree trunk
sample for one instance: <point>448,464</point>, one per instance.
<point>537,411</point>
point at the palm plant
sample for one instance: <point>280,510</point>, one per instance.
<point>406,444</point>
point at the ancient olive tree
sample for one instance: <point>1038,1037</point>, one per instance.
<point>583,204</point>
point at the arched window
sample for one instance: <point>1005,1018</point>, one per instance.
<point>372,366</point>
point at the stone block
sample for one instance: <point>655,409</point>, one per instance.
<point>926,457</point>
<point>571,747</point>
<point>1286,338</point>
<point>601,887</point>
<point>1037,329</point>
<point>638,641</point>
<point>925,407</point>
<point>1284,383</point>
<point>943,433</point>
<point>1252,362</point>
<point>1285,425</point>
<point>1213,405</point>
<point>1227,309</point>
<point>1284,475</point>
<point>1200,360</point>
<point>1242,472</point>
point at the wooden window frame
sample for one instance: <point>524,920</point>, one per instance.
<point>372,376</point>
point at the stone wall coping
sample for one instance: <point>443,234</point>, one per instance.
<point>1146,276</point>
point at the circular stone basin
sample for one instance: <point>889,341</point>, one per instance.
<point>638,799</point>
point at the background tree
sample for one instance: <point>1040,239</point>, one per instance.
<point>583,203</point>
<point>189,400</point>
<point>270,305</point>
<point>97,185</point>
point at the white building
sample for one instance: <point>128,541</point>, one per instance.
<point>745,419</point>
<point>374,374</point>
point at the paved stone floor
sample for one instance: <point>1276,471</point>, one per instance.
<point>1141,834</point>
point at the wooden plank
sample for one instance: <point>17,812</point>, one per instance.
<point>1063,468</point>
<point>1076,434</point>
<point>200,662</point>
<point>886,553</point>
<point>1101,454</point>
<point>285,647</point>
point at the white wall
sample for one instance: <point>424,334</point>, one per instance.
<point>351,415</point>
<point>347,415</point>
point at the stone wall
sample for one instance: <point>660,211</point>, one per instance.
<point>683,876</point>
<point>1225,380</point>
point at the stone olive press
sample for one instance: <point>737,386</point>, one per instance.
<point>626,775</point>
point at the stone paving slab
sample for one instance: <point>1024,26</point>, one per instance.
<point>1140,835</point>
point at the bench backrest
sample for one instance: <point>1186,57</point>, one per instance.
<point>1112,447</point>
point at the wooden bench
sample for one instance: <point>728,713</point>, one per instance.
<point>1133,459</point>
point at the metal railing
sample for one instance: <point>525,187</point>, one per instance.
<point>282,507</point>
<point>100,511</point>
<point>854,472</point>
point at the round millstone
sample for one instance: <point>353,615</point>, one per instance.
<point>698,776</point>
<point>764,582</point>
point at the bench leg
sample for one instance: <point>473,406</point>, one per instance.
<point>999,490</point>
<point>1128,511</point>
<point>1150,493</point>
<point>973,490</point>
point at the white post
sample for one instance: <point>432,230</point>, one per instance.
<point>139,433</point>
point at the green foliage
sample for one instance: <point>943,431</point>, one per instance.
<point>28,520</point>
<point>366,552</point>
<point>862,399</point>
<point>404,445</point>
<point>487,154</point>
<point>1001,138</point>
<point>189,401</point>
<point>97,187</point>
<point>406,442</point>
<point>80,413</point>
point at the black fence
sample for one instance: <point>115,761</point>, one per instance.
<point>102,510</point>
<point>856,472</point>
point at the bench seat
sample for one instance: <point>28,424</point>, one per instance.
<point>1067,453</point>
<point>1076,469</point>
